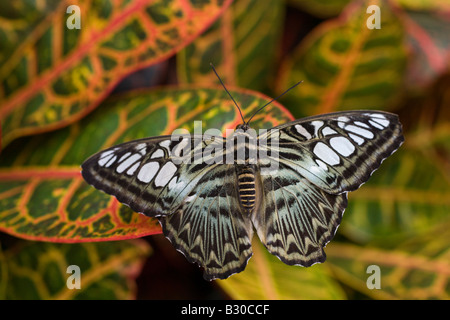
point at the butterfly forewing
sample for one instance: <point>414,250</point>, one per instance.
<point>338,152</point>
<point>152,176</point>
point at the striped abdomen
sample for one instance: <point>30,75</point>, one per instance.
<point>246,186</point>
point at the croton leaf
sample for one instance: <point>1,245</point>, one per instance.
<point>40,270</point>
<point>343,62</point>
<point>424,5</point>
<point>267,278</point>
<point>52,75</point>
<point>418,268</point>
<point>428,35</point>
<point>410,193</point>
<point>42,193</point>
<point>240,57</point>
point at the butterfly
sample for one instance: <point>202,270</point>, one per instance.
<point>294,196</point>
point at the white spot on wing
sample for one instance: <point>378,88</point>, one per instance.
<point>180,146</point>
<point>157,154</point>
<point>327,131</point>
<point>165,144</point>
<point>128,162</point>
<point>342,145</point>
<point>110,162</point>
<point>104,159</point>
<point>165,174</point>
<point>326,154</point>
<point>362,124</point>
<point>341,121</point>
<point>148,171</point>
<point>317,125</point>
<point>383,122</point>
<point>106,153</point>
<point>126,155</point>
<point>356,138</point>
<point>303,131</point>
<point>322,164</point>
<point>173,183</point>
<point>376,125</point>
<point>133,169</point>
<point>362,132</point>
<point>375,115</point>
<point>142,148</point>
<point>107,158</point>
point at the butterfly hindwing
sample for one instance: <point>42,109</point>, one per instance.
<point>339,151</point>
<point>296,219</point>
<point>210,227</point>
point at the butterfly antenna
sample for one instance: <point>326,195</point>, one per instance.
<point>240,112</point>
<point>248,122</point>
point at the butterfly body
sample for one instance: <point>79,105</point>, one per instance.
<point>246,175</point>
<point>289,184</point>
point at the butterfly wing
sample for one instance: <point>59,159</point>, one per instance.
<point>312,163</point>
<point>297,219</point>
<point>210,227</point>
<point>154,175</point>
<point>339,151</point>
<point>192,192</point>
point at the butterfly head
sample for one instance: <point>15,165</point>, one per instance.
<point>243,126</point>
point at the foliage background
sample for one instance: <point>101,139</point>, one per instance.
<point>141,68</point>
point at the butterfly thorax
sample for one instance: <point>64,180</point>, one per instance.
<point>244,142</point>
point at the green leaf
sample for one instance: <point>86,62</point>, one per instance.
<point>266,277</point>
<point>51,75</point>
<point>40,270</point>
<point>418,268</point>
<point>428,37</point>
<point>408,195</point>
<point>345,65</point>
<point>42,193</point>
<point>424,5</point>
<point>242,45</point>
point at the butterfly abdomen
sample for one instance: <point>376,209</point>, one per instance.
<point>246,186</point>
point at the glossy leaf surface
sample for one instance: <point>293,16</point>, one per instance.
<point>54,271</point>
<point>52,75</point>
<point>267,278</point>
<point>239,57</point>
<point>415,269</point>
<point>346,65</point>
